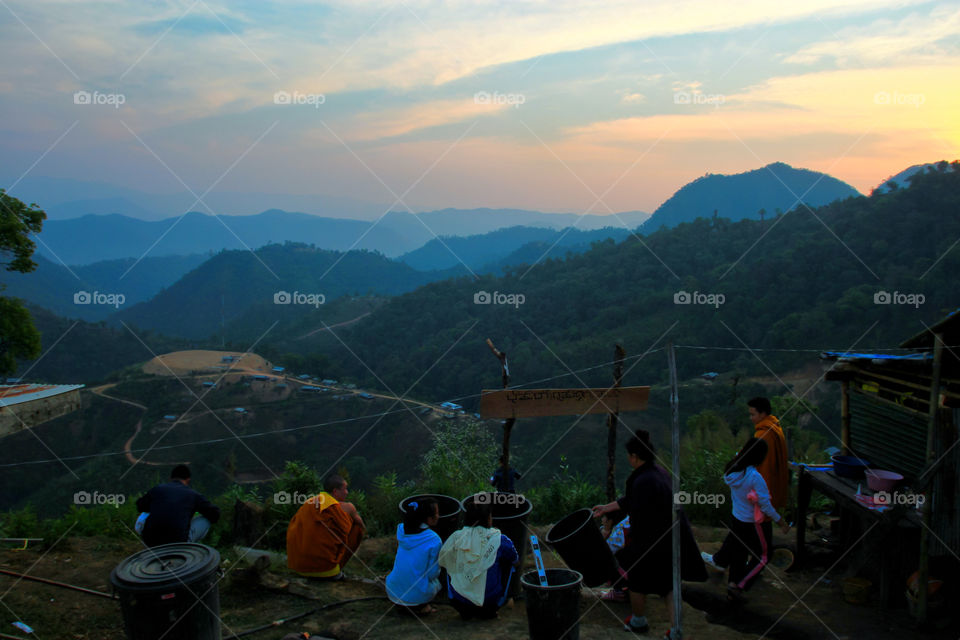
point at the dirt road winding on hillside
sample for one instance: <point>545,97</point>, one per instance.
<point>127,446</point>
<point>345,323</point>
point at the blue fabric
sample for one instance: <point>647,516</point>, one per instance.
<point>498,576</point>
<point>415,578</point>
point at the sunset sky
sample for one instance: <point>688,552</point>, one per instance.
<point>556,105</point>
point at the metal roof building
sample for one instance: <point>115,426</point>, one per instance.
<point>26,405</point>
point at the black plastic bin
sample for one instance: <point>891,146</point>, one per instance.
<point>449,512</point>
<point>510,513</point>
<point>581,545</point>
<point>553,611</point>
<point>170,592</point>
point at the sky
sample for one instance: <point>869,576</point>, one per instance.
<point>560,105</point>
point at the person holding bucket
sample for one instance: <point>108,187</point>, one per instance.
<point>480,563</point>
<point>649,503</point>
<point>746,549</point>
<point>415,578</point>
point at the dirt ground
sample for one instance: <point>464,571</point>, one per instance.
<point>184,362</point>
<point>772,612</point>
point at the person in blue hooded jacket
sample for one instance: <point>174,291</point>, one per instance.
<point>415,578</point>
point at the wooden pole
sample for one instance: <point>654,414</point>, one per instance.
<point>508,424</point>
<point>845,417</point>
<point>924,573</point>
<point>613,420</point>
<point>676,631</point>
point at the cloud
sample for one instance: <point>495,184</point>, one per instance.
<point>634,98</point>
<point>914,39</point>
<point>375,125</point>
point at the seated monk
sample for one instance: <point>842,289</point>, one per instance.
<point>324,533</point>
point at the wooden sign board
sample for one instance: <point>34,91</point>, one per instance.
<point>529,403</point>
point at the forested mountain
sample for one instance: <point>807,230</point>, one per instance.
<point>488,251</point>
<point>775,187</point>
<point>222,289</point>
<point>797,281</point>
<point>902,179</point>
<point>53,285</point>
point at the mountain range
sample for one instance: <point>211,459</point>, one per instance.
<point>492,251</point>
<point>92,238</point>
<point>229,293</point>
<point>109,236</point>
<point>806,282</point>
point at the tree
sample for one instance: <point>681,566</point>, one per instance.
<point>18,337</point>
<point>17,220</point>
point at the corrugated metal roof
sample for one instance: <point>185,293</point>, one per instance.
<point>949,326</point>
<point>20,393</point>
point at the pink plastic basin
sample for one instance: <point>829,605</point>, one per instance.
<point>879,480</point>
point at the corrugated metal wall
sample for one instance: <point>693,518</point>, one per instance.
<point>945,521</point>
<point>888,436</point>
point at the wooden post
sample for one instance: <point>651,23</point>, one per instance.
<point>931,434</point>
<point>676,632</point>
<point>845,417</point>
<point>613,421</point>
<point>508,424</point>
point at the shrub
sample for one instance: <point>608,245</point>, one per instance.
<point>463,455</point>
<point>709,444</point>
<point>565,493</point>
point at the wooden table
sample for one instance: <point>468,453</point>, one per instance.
<point>843,491</point>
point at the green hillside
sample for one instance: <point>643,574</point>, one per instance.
<point>53,285</point>
<point>222,289</point>
<point>805,280</point>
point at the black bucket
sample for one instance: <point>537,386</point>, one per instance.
<point>449,512</point>
<point>553,611</point>
<point>170,592</point>
<point>510,513</point>
<point>581,545</point>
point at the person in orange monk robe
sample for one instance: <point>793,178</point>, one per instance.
<point>774,468</point>
<point>324,533</point>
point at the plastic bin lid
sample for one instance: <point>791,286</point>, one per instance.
<point>165,567</point>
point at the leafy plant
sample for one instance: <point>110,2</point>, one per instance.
<point>463,453</point>
<point>565,493</point>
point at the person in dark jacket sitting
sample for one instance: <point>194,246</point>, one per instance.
<point>167,511</point>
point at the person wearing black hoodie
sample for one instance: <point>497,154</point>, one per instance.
<point>170,509</point>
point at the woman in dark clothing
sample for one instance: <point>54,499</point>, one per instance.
<point>649,503</point>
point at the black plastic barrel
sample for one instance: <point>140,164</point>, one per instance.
<point>449,512</point>
<point>581,545</point>
<point>553,611</point>
<point>170,592</point>
<point>510,512</point>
